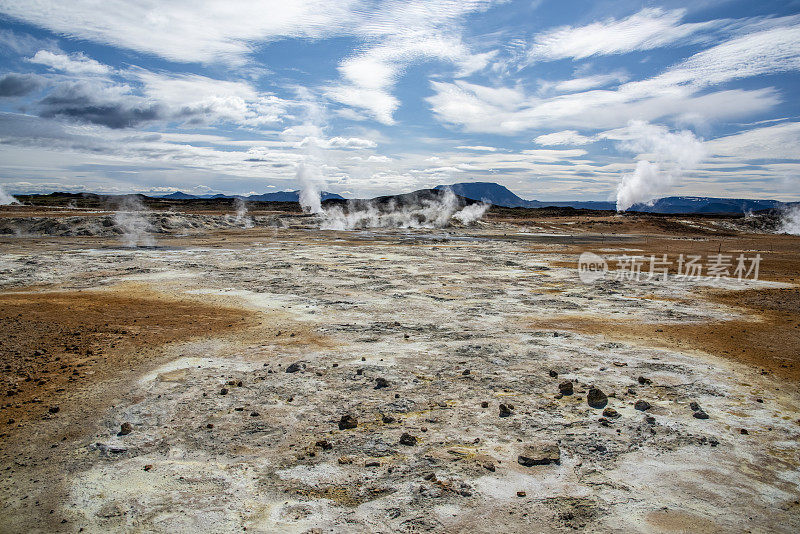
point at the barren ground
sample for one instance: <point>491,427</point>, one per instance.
<point>456,321</point>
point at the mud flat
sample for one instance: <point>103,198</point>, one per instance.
<point>287,379</point>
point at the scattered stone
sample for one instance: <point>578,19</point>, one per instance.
<point>388,419</point>
<point>53,409</point>
<point>650,419</point>
<point>324,444</point>
<point>345,460</point>
<point>700,414</point>
<point>642,405</point>
<point>566,388</point>
<point>359,372</point>
<point>694,406</point>
<point>611,412</point>
<point>210,425</point>
<point>148,467</point>
<point>644,381</point>
<point>521,494</point>
<point>125,429</point>
<point>596,398</point>
<point>539,454</point>
<point>466,372</point>
<point>743,431</point>
<point>620,364</point>
<point>347,422</point>
<point>484,404</point>
<point>408,439</point>
<point>381,383</point>
<point>254,414</point>
<point>506,410</point>
<point>372,463</point>
<point>553,374</point>
<point>293,368</point>
<point>223,391</point>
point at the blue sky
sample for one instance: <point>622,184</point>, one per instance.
<point>555,99</point>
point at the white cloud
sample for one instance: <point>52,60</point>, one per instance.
<point>76,63</point>
<point>339,142</point>
<point>781,141</point>
<point>187,30</point>
<point>565,137</point>
<point>647,29</point>
<point>589,82</point>
<point>479,148</point>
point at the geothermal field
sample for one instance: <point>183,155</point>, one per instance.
<point>201,367</point>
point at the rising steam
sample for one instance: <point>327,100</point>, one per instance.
<point>131,219</point>
<point>241,213</point>
<point>6,199</point>
<point>427,213</point>
<point>790,223</point>
<point>673,153</point>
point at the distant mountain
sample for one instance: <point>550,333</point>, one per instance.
<point>488,192</point>
<point>179,195</point>
<point>500,195</point>
<point>281,196</point>
<point>290,196</point>
<point>706,205</point>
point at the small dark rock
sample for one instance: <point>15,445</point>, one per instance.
<point>465,372</point>
<point>381,383</point>
<point>324,444</point>
<point>694,406</point>
<point>408,439</point>
<point>372,463</point>
<point>223,391</point>
<point>642,405</point>
<point>700,414</point>
<point>542,454</point>
<point>596,398</point>
<point>484,404</point>
<point>553,374</point>
<point>611,412</point>
<point>254,414</point>
<point>293,368</point>
<point>521,494</point>
<point>347,422</point>
<point>744,431</point>
<point>566,388</point>
<point>388,419</point>
<point>53,409</point>
<point>650,419</point>
<point>125,429</point>
<point>506,410</point>
<point>644,381</point>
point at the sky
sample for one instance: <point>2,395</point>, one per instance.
<point>555,99</point>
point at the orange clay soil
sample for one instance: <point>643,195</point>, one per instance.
<point>769,341</point>
<point>54,344</point>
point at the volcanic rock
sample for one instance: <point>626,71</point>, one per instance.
<point>642,405</point>
<point>347,422</point>
<point>293,368</point>
<point>700,414</point>
<point>125,429</point>
<point>566,388</point>
<point>611,412</point>
<point>506,410</point>
<point>539,454</point>
<point>408,439</point>
<point>381,383</point>
<point>596,398</point>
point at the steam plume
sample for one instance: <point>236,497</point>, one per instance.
<point>673,153</point>
<point>6,199</point>
<point>131,219</point>
<point>791,221</point>
<point>241,213</point>
<point>429,213</point>
<point>310,199</point>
